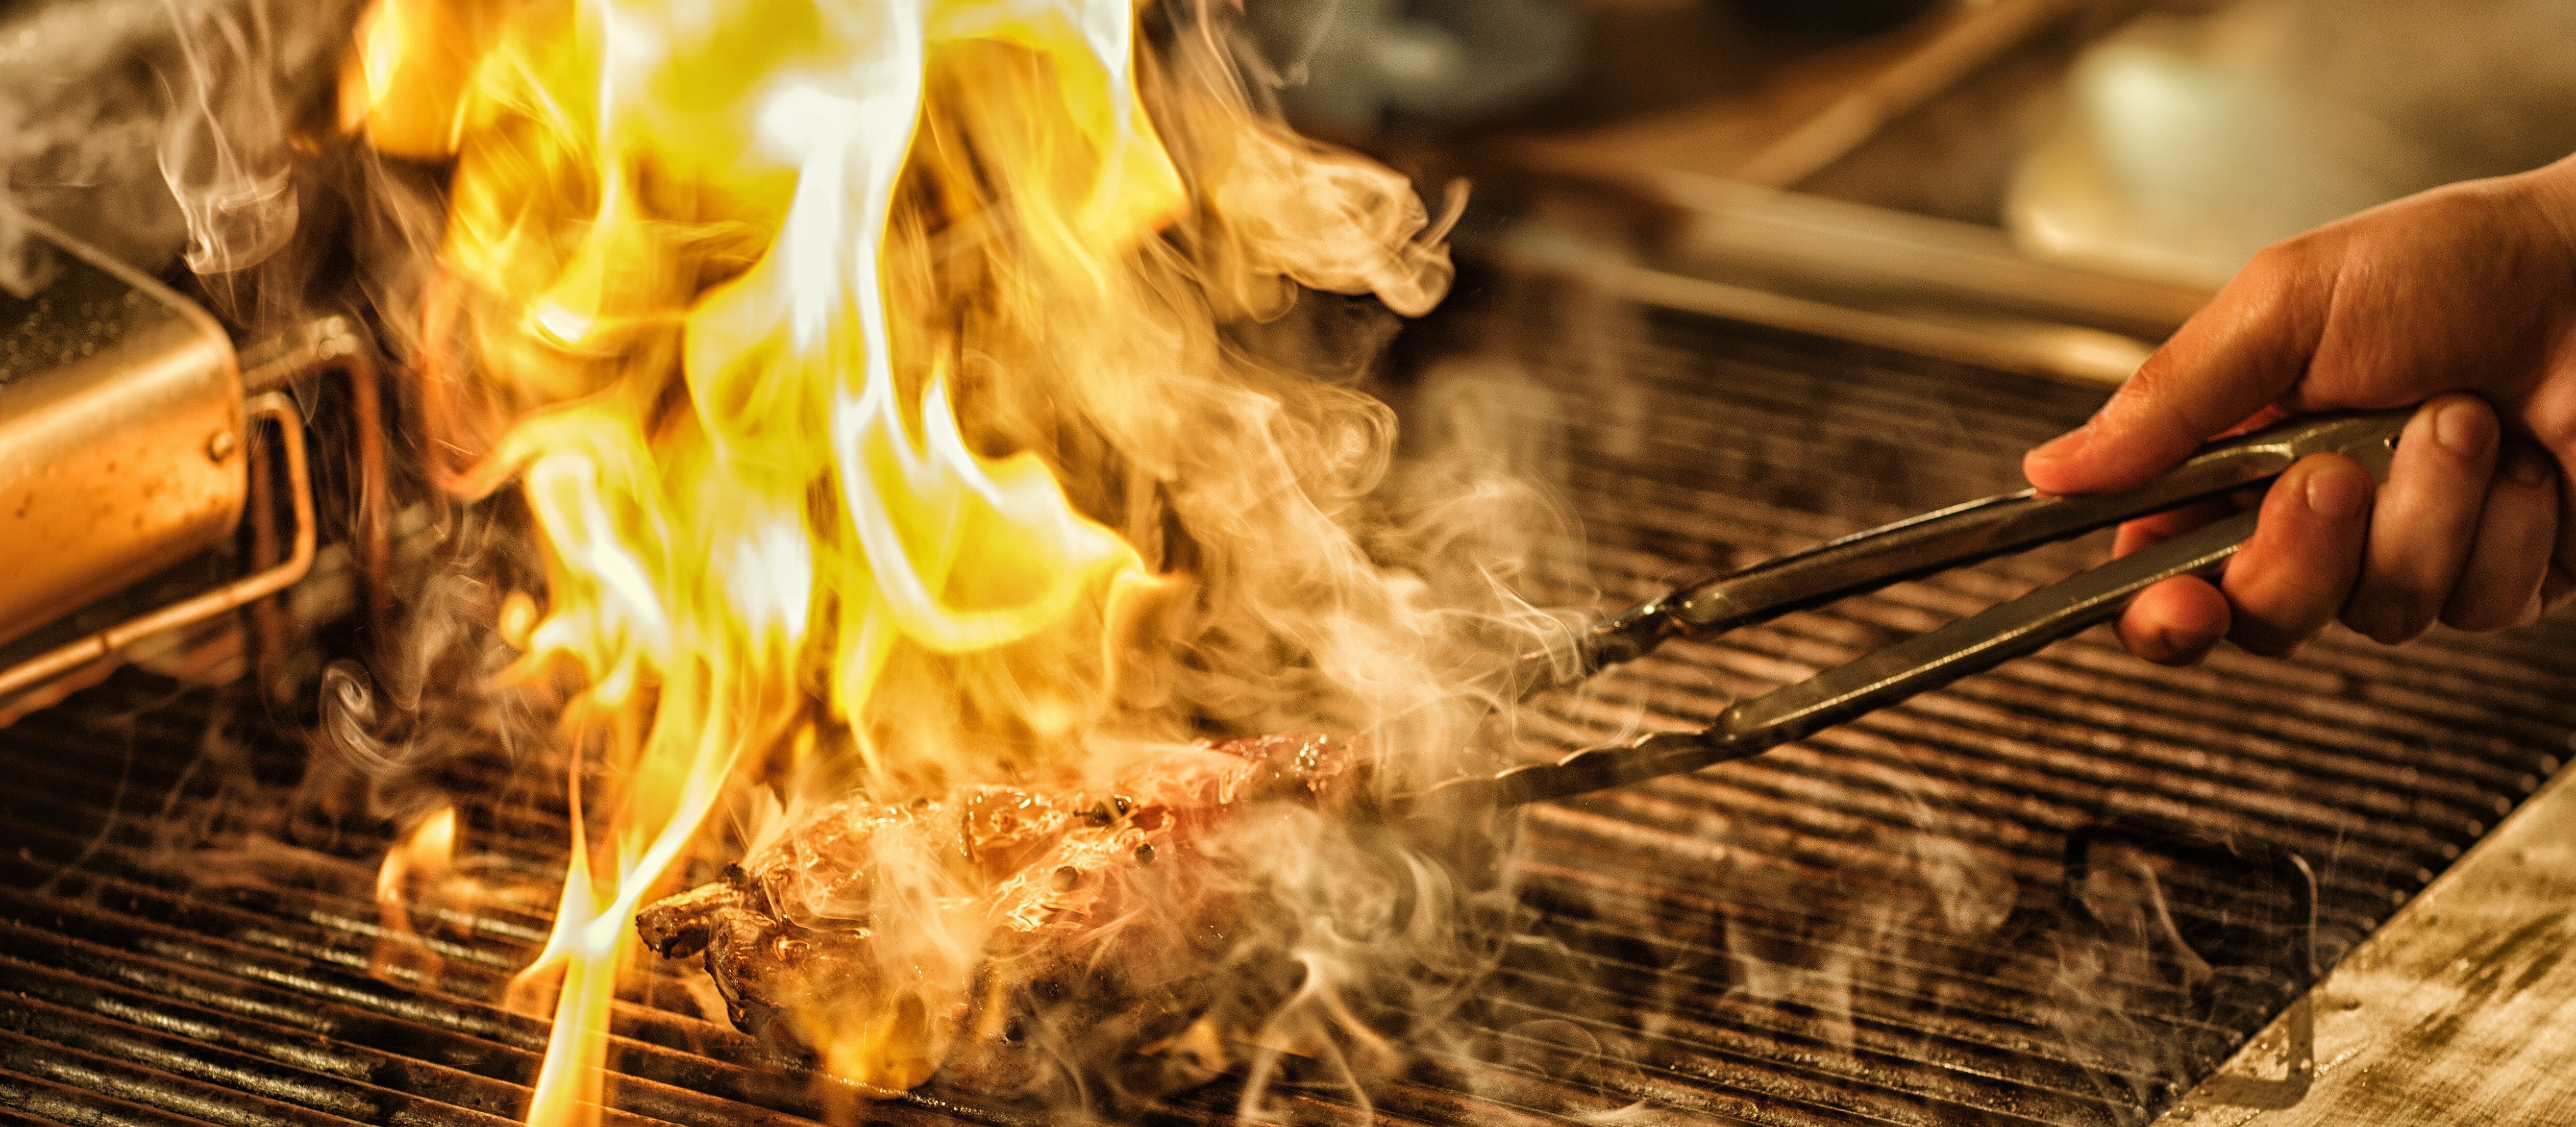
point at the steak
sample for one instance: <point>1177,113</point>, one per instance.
<point>1102,925</point>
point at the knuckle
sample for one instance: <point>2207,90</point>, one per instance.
<point>2152,400</point>
<point>2280,261</point>
<point>2280,277</point>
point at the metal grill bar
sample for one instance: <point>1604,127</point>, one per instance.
<point>1765,943</point>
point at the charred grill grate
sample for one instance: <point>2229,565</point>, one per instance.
<point>1873,926</point>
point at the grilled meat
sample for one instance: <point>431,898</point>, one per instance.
<point>1096,910</point>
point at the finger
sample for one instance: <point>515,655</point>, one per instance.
<point>2296,572</point>
<point>2500,585</point>
<point>2561,582</point>
<point>2147,532</point>
<point>2425,518</point>
<point>2175,622</point>
<point>2242,352</point>
<point>2556,586</point>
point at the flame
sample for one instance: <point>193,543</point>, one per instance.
<point>763,300</point>
<point>421,858</point>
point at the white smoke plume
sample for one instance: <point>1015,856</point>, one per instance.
<point>160,129</point>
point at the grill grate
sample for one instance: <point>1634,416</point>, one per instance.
<point>1871,926</point>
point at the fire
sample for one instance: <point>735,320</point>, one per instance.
<point>772,308</point>
<point>420,859</point>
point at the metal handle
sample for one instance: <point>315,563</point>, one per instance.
<point>1919,664</point>
<point>1960,535</point>
<point>1927,544</point>
<point>66,658</point>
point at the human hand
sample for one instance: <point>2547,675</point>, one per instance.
<point>2462,299</point>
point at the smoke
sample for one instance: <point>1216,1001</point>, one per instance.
<point>161,129</point>
<point>1380,943</point>
<point>1198,380</point>
<point>80,122</point>
<point>428,723</point>
<point>1209,392</point>
<point>1175,319</point>
<point>223,146</point>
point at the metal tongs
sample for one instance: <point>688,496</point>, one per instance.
<point>1911,549</point>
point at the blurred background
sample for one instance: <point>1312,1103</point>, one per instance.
<point>2044,185</point>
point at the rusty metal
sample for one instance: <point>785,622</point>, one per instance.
<point>120,432</point>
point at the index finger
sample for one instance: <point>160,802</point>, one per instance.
<point>2241,353</point>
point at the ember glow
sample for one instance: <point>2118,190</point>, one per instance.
<point>860,363</point>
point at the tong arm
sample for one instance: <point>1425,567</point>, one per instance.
<point>1960,535</point>
<point>1926,661</point>
<point>1939,657</point>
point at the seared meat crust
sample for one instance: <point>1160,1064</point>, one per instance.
<point>1102,915</point>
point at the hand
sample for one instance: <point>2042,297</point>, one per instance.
<point>2462,299</point>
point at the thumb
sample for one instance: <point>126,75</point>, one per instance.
<point>2242,352</point>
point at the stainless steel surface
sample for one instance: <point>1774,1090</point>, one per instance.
<point>267,581</point>
<point>1752,214</point>
<point>120,433</point>
<point>1879,257</point>
<point>1877,680</point>
<point>1974,36</point>
<point>1957,322</point>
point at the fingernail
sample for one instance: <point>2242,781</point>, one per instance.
<point>2464,429</point>
<point>2338,492</point>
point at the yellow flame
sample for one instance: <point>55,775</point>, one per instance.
<point>423,854</point>
<point>731,401</point>
<point>414,866</point>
